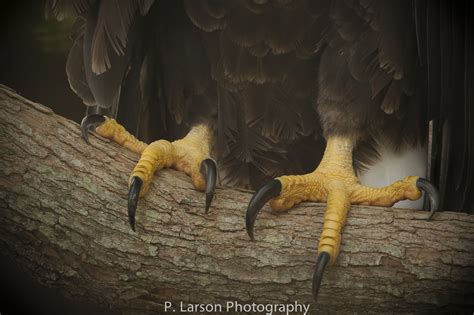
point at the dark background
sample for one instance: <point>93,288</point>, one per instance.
<point>33,56</point>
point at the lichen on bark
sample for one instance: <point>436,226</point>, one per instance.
<point>63,219</point>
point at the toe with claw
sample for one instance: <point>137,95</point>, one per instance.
<point>89,122</point>
<point>133,193</point>
<point>334,182</point>
<point>209,171</point>
<point>432,193</point>
<point>189,155</point>
<point>264,194</point>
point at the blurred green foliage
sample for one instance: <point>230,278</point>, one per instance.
<point>33,56</point>
<point>53,36</point>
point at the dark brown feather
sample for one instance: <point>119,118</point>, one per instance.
<point>60,9</point>
<point>274,76</point>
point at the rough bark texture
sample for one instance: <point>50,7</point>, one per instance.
<point>63,218</point>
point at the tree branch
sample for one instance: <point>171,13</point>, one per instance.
<point>63,218</point>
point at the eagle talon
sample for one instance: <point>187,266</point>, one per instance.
<point>433,195</point>
<point>186,155</point>
<point>264,194</point>
<point>88,122</point>
<point>133,194</point>
<point>209,171</point>
<point>334,181</point>
<point>321,263</point>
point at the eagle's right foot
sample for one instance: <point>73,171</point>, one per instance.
<point>109,128</point>
<point>190,155</point>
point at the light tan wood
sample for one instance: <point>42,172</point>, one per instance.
<point>63,218</point>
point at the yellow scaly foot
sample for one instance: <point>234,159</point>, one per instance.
<point>334,182</point>
<point>190,155</point>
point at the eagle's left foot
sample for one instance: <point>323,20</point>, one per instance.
<point>334,182</point>
<point>190,155</point>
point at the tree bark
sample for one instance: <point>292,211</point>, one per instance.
<point>63,218</point>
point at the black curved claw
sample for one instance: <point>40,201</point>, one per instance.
<point>90,121</point>
<point>321,263</point>
<point>209,170</point>
<point>433,195</point>
<point>133,193</point>
<point>267,192</point>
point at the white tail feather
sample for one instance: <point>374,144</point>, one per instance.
<point>394,166</point>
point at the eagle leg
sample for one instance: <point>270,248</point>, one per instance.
<point>190,155</point>
<point>334,182</point>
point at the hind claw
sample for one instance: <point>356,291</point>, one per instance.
<point>88,122</point>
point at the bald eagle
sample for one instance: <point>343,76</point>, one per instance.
<point>294,98</point>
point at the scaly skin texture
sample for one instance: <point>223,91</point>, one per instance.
<point>183,155</point>
<point>112,130</point>
<point>334,182</point>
